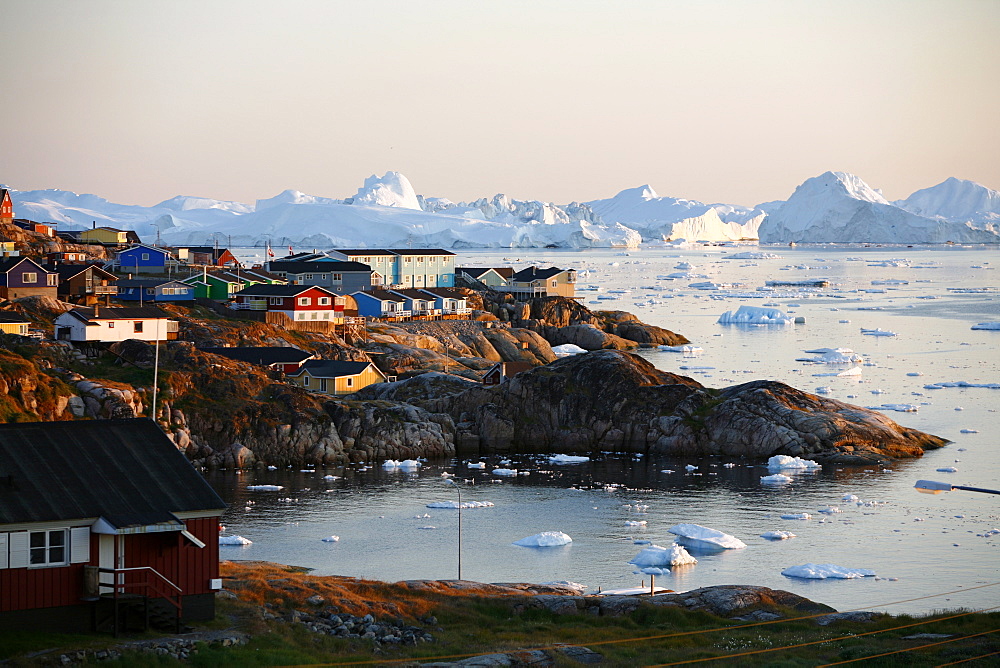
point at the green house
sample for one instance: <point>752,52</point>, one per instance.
<point>218,285</point>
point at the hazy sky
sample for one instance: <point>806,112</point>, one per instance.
<point>733,101</point>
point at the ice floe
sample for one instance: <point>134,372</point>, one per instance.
<point>797,516</point>
<point>545,539</point>
<point>406,464</point>
<point>331,539</point>
<point>234,540</point>
<point>961,383</point>
<point>831,356</point>
<point>777,535</point>
<point>697,536</point>
<point>776,479</point>
<point>877,332</point>
<point>568,459</point>
<point>853,371</point>
<point>567,349</point>
<point>993,326</point>
<point>755,315</point>
<point>476,465</point>
<point>824,571</point>
<point>687,349</point>
<point>505,473</point>
<point>782,462</point>
<point>264,488</point>
<point>656,556</point>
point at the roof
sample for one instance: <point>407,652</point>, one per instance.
<point>86,313</point>
<point>264,356</point>
<point>126,471</point>
<point>412,293</point>
<point>138,246</point>
<point>476,272</point>
<point>13,318</point>
<point>536,274</point>
<point>319,267</point>
<point>147,282</point>
<point>362,251</point>
<point>259,272</point>
<point>103,227</point>
<point>9,263</point>
<point>445,292</point>
<point>68,271</point>
<point>263,290</point>
<point>509,369</point>
<point>421,251</point>
<point>331,368</point>
<point>381,295</point>
<point>4,193</point>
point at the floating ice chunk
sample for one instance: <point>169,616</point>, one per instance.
<point>567,349</point>
<point>969,431</point>
<point>729,465</point>
<point>844,322</point>
<point>691,467</point>
<point>877,332</point>
<point>507,473</point>
<point>331,539</point>
<point>780,462</point>
<point>656,556</point>
<point>776,479</point>
<point>264,488</point>
<point>755,315</point>
<point>697,536</point>
<point>635,523</point>
<point>823,389</point>
<point>753,255</point>
<point>947,469</point>
<point>331,477</point>
<point>545,539</point>
<point>667,471</point>
<point>915,373</point>
<point>272,468</point>
<point>849,497</point>
<point>568,459</point>
<point>777,535</point>
<point>993,326</point>
<point>899,408</point>
<point>684,265</point>
<point>797,516</point>
<point>234,540</point>
<point>476,465</point>
<point>409,464</point>
<point>830,510</point>
<point>453,505</point>
<point>642,541</point>
<point>962,383</point>
<point>689,349</point>
<point>831,356</point>
<point>824,571</point>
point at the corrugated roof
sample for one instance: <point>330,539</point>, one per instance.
<point>536,274</point>
<point>445,292</point>
<point>411,293</point>
<point>262,355</point>
<point>86,313</point>
<point>381,295</point>
<point>126,471</point>
<point>13,318</point>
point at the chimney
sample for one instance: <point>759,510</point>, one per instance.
<point>94,225</point>
<point>96,310</point>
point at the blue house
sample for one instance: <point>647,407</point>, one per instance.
<point>154,290</point>
<point>143,258</point>
<point>380,304</point>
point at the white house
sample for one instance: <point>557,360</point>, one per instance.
<point>147,323</point>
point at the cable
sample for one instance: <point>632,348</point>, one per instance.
<point>911,649</point>
<point>974,658</point>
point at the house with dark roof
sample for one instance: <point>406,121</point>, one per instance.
<point>296,302</point>
<point>142,258</point>
<point>338,276</point>
<point>279,358</point>
<point>404,267</point>
<point>108,236</point>
<point>450,302</point>
<point>336,377</point>
<point>23,277</point>
<point>84,283</point>
<point>96,516</point>
<point>377,303</point>
<point>492,277</point>
<point>148,290</point>
<point>501,372</point>
<point>32,226</point>
<point>89,324</point>
<point>418,303</point>
<point>218,285</point>
<point>8,248</point>
<point>537,282</point>
<point>14,323</point>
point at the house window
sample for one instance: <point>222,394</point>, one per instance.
<point>307,277</point>
<point>338,277</point>
<point>555,283</point>
<point>366,260</point>
<point>145,256</point>
<point>47,548</point>
<point>152,291</point>
<point>53,279</point>
<point>29,277</point>
<point>274,301</point>
<point>349,382</point>
<point>420,259</point>
<point>323,301</point>
<point>407,260</point>
<point>301,316</point>
<point>305,301</point>
<point>138,326</point>
<point>111,325</point>
<point>305,381</point>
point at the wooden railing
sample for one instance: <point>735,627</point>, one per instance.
<point>160,585</point>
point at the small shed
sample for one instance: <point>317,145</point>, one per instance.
<point>336,377</point>
<point>501,372</point>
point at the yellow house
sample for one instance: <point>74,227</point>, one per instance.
<point>535,282</point>
<point>14,324</point>
<point>104,235</point>
<point>336,377</point>
<point>7,248</point>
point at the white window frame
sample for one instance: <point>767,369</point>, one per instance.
<point>145,256</point>
<point>137,327</point>
<point>305,381</point>
<point>323,301</point>
<point>275,301</point>
<point>349,382</point>
<point>29,277</point>
<point>44,551</point>
<point>304,301</point>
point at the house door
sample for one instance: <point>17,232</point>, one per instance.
<point>322,384</point>
<point>106,558</point>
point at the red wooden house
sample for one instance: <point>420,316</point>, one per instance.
<point>297,302</point>
<point>99,520</point>
<point>6,207</point>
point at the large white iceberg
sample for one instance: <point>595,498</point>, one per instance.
<point>755,315</point>
<point>824,571</point>
<point>567,349</point>
<point>656,556</point>
<point>545,539</point>
<point>831,356</point>
<point>699,537</point>
<point>782,462</point>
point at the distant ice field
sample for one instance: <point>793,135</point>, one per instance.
<point>918,545</point>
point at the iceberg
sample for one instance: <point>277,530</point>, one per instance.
<point>656,556</point>
<point>699,537</point>
<point>755,315</point>
<point>506,473</point>
<point>824,571</point>
<point>781,462</point>
<point>264,488</point>
<point>545,539</point>
<point>454,505</point>
<point>234,540</point>
<point>991,326</point>
<point>831,356</point>
<point>568,459</point>
<point>567,349</point>
<point>777,535</point>
<point>406,464</point>
<point>776,479</point>
<point>331,539</point>
<point>687,349</point>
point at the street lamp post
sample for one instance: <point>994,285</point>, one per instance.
<point>459,490</point>
<point>933,487</point>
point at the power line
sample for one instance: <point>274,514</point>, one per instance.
<point>911,649</point>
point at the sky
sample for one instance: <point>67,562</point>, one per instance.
<point>730,101</point>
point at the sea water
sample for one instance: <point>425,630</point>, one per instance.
<point>937,549</point>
